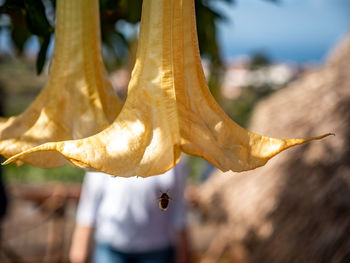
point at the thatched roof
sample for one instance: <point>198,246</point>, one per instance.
<point>297,207</point>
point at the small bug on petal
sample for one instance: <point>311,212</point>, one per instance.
<point>164,201</point>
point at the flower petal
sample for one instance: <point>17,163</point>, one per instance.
<point>206,130</point>
<point>169,109</point>
<point>78,100</point>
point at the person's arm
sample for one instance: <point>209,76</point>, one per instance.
<point>79,250</point>
<point>90,198</point>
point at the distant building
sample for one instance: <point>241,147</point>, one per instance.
<point>239,75</point>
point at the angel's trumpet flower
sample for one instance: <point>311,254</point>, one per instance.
<point>78,100</point>
<point>169,109</point>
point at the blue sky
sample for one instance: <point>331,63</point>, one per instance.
<point>294,30</point>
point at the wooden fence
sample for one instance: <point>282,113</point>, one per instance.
<point>39,223</point>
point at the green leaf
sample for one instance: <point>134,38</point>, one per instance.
<point>41,58</point>
<point>19,35</point>
<point>36,18</point>
<point>38,25</point>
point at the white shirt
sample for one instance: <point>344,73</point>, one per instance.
<point>126,213</point>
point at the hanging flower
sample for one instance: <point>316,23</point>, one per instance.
<point>169,109</point>
<point>78,100</point>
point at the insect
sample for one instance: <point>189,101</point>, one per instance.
<point>164,201</point>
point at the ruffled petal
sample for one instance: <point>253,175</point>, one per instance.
<point>78,100</point>
<point>169,109</point>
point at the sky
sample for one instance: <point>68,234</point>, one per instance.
<point>301,31</point>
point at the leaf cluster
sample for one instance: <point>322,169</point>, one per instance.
<point>33,17</point>
<point>28,17</point>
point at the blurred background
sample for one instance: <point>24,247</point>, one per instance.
<point>279,68</point>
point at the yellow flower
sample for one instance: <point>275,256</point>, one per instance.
<point>78,100</point>
<point>169,109</point>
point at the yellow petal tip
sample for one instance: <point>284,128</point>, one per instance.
<point>326,135</point>
<point>6,162</point>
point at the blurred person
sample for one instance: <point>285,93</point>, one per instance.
<point>127,222</point>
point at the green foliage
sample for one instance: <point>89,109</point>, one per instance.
<point>31,174</point>
<point>241,108</point>
<point>258,60</point>
<point>19,85</point>
<point>28,18</point>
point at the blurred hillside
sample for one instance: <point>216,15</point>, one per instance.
<point>296,208</point>
<point>18,83</point>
